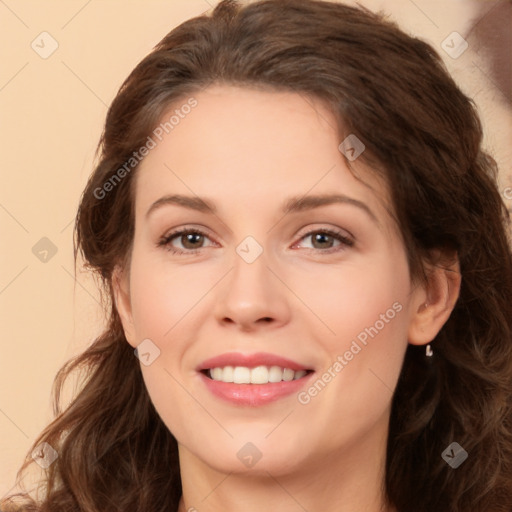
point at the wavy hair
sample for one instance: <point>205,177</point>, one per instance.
<point>424,137</point>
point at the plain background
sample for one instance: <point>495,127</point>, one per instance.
<point>51,117</point>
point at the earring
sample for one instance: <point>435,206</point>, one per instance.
<point>428,351</point>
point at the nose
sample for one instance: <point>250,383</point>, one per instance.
<point>252,296</point>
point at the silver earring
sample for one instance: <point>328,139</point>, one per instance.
<point>429,352</point>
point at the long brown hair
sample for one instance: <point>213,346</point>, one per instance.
<point>422,134</point>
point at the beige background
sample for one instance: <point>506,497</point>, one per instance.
<point>51,113</point>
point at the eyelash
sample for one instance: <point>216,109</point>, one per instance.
<point>166,240</point>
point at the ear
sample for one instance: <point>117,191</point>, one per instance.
<point>121,288</point>
<point>434,302</point>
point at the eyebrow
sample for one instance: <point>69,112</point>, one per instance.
<point>291,205</point>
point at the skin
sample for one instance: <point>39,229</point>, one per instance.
<point>247,151</point>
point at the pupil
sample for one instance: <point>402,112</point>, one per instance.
<point>321,236</point>
<point>190,238</point>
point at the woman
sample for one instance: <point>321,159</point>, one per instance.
<point>304,246</point>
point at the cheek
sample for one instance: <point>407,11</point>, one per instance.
<point>361,300</point>
<point>163,294</point>
<point>163,299</point>
<point>366,308</point>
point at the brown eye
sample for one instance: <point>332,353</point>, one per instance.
<point>324,240</point>
<point>191,241</point>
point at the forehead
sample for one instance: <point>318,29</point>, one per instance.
<point>252,146</point>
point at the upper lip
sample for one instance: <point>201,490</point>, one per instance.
<point>250,361</point>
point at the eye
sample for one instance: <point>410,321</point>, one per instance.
<point>191,240</point>
<point>323,239</point>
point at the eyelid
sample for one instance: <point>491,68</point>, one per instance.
<point>166,239</point>
<point>345,240</point>
<point>318,227</point>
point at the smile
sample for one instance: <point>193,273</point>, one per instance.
<point>253,380</point>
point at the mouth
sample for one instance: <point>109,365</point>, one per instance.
<point>253,380</point>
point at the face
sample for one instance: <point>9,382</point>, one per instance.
<point>263,282</point>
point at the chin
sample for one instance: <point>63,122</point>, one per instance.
<point>258,457</point>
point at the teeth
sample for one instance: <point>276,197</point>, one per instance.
<point>257,375</point>
<point>275,374</point>
<point>241,375</point>
<point>227,374</point>
<point>216,373</point>
<point>288,374</point>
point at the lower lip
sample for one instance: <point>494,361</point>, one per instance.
<point>254,394</point>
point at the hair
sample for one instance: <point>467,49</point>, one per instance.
<point>424,137</point>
